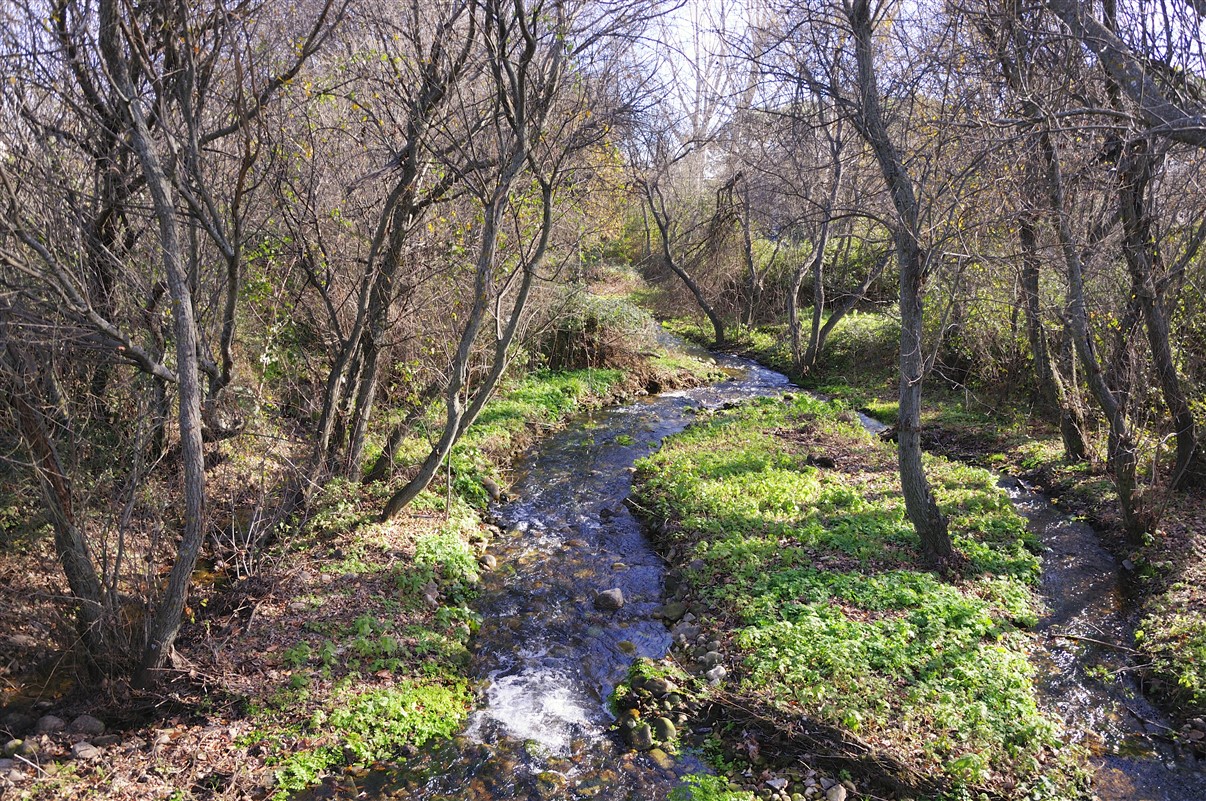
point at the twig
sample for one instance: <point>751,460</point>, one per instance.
<point>1078,638</point>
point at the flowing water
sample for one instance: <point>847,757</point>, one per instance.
<point>1086,665</point>
<point>548,658</point>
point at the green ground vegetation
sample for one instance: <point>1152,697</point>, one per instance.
<point>384,667</point>
<point>786,519</point>
<point>996,424</point>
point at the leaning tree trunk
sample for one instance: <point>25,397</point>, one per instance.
<point>1142,256</point>
<point>661,219</point>
<point>170,607</point>
<point>1051,386</point>
<point>71,546</point>
<point>920,505</point>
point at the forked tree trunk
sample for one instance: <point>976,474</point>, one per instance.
<point>1122,456</point>
<point>170,606</point>
<point>661,219</point>
<point>1135,173</point>
<point>1051,385</point>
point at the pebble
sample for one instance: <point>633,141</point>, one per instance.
<point>835,793</point>
<point>489,561</point>
<point>716,674</point>
<point>610,600</point>
<point>777,783</point>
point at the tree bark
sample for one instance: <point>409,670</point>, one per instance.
<point>1135,173</point>
<point>1122,455</point>
<point>662,220</point>
<point>170,606</point>
<point>1051,385</point>
<point>920,505</point>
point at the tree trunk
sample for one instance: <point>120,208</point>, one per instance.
<point>71,546</point>
<point>1142,257</point>
<point>920,505</point>
<point>1051,386</point>
<point>1122,456</point>
<point>661,219</point>
<point>170,607</point>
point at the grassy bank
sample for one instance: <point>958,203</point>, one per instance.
<point>345,644</point>
<point>785,523</point>
<point>999,428</point>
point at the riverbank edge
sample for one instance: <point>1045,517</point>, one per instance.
<point>321,666</point>
<point>817,758</point>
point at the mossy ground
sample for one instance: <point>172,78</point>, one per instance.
<point>787,523</point>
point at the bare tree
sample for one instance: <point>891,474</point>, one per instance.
<point>153,97</point>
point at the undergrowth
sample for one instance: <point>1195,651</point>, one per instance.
<point>830,610</point>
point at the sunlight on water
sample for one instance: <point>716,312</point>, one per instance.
<point>534,705</point>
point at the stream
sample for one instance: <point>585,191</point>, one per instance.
<point>548,658</point>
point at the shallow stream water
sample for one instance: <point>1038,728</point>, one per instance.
<point>548,658</point>
<point>1086,665</point>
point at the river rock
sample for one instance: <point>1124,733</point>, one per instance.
<point>48,724</point>
<point>610,600</point>
<point>674,611</point>
<point>659,686</point>
<point>711,659</point>
<point>662,759</point>
<point>88,725</point>
<point>663,730</point>
<point>549,784</point>
<point>16,722</point>
<point>489,561</point>
<point>716,674</point>
<point>777,784</point>
<point>640,737</point>
<point>492,489</point>
<point>835,793</point>
<point>11,747</point>
<point>85,751</point>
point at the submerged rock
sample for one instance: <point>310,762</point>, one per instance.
<point>662,759</point>
<point>610,600</point>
